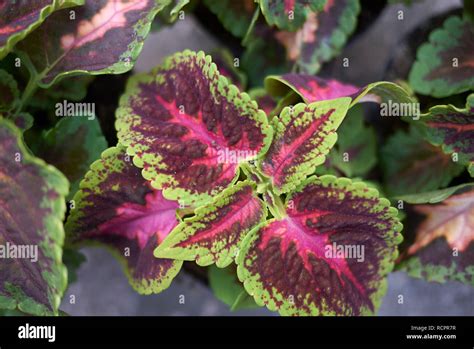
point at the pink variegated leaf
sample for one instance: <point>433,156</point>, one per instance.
<point>117,208</point>
<point>304,134</point>
<point>189,128</point>
<point>215,232</point>
<point>328,254</point>
<point>312,88</point>
<point>441,246</point>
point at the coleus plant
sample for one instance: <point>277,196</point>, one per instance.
<point>221,183</point>
<point>252,184</point>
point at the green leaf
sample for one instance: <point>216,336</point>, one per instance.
<point>452,129</point>
<point>328,255</point>
<point>10,100</point>
<point>264,56</point>
<point>228,289</point>
<point>304,134</point>
<point>116,208</point>
<point>412,165</point>
<point>435,196</point>
<point>19,18</point>
<point>70,89</point>
<point>354,153</point>
<point>235,16</point>
<point>72,145</point>
<point>72,259</point>
<point>445,64</point>
<point>31,213</point>
<point>101,37</point>
<point>189,129</point>
<point>215,232</point>
<point>289,14</point>
<point>443,246</point>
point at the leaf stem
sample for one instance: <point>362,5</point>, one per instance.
<point>251,26</point>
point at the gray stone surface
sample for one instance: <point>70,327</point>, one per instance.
<point>102,288</point>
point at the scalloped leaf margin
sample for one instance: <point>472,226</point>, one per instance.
<point>299,265</point>
<point>31,210</point>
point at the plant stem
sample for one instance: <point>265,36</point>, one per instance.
<point>278,207</point>
<point>32,84</point>
<point>28,92</point>
<point>265,187</point>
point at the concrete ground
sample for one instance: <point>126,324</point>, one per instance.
<point>102,288</point>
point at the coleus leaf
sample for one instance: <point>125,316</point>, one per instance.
<point>181,131</point>
<point>312,88</point>
<point>215,232</point>
<point>264,56</point>
<point>300,264</point>
<point>101,37</point>
<point>443,248</point>
<point>31,212</point>
<point>9,93</point>
<point>445,64</point>
<point>117,208</point>
<point>71,146</point>
<point>11,312</point>
<point>304,134</point>
<point>289,14</point>
<point>235,16</point>
<point>322,35</point>
<point>354,153</point>
<point>265,102</point>
<point>19,18</point>
<point>452,129</point>
<point>10,100</point>
<point>412,165</point>
<point>228,289</point>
